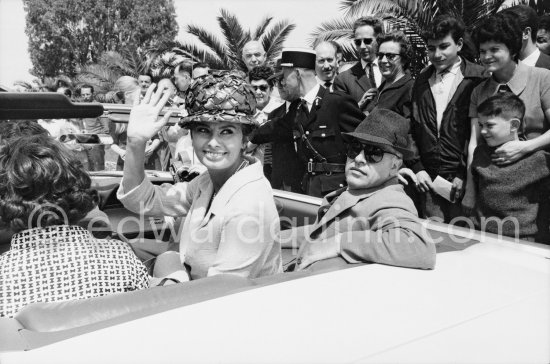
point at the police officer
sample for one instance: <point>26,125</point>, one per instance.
<point>321,116</point>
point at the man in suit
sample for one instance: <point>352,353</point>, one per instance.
<point>372,219</point>
<point>361,80</point>
<point>529,24</point>
<point>326,64</point>
<point>314,123</point>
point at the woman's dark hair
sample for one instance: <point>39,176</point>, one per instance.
<point>500,28</point>
<point>261,73</point>
<point>11,129</point>
<point>400,38</point>
<point>42,184</point>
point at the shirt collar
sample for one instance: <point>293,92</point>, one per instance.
<point>374,63</point>
<point>517,83</point>
<point>452,69</point>
<point>253,172</point>
<point>532,59</point>
<point>312,94</point>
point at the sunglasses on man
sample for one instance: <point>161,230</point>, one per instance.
<point>373,154</point>
<point>262,88</point>
<point>366,41</point>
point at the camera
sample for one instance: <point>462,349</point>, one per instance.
<point>180,171</point>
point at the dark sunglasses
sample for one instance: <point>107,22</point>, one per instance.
<point>389,56</point>
<point>367,41</point>
<point>373,154</point>
<point>263,88</point>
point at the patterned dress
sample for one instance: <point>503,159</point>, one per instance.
<point>63,263</point>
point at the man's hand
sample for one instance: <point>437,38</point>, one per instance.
<point>313,251</point>
<point>424,181</point>
<point>144,122</point>
<point>405,173</point>
<point>510,152</point>
<point>457,190</point>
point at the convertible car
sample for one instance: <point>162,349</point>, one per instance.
<point>487,300</point>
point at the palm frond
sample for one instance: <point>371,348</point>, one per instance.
<point>261,28</point>
<point>235,37</point>
<point>332,30</point>
<point>273,40</point>
<point>26,85</point>
<point>355,8</point>
<point>209,40</point>
<point>202,55</point>
<point>100,76</point>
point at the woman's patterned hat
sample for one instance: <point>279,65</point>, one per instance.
<point>221,96</point>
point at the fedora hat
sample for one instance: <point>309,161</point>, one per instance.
<point>385,129</point>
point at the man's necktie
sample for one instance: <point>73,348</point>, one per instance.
<point>328,84</point>
<point>370,74</point>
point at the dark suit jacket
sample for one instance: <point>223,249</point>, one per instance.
<point>287,168</point>
<point>353,82</point>
<point>543,61</point>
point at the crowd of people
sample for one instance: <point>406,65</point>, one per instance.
<point>465,141</point>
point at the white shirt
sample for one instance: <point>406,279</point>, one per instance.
<point>443,86</point>
<point>375,69</point>
<point>532,59</point>
<point>311,96</point>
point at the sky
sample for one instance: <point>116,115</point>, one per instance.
<point>306,14</point>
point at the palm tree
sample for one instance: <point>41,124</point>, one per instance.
<point>226,53</point>
<point>412,16</point>
<point>112,65</point>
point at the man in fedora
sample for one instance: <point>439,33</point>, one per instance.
<point>319,118</point>
<point>372,219</point>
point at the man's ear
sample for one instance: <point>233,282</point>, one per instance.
<point>396,164</point>
<point>514,124</point>
<point>460,44</point>
<point>526,34</point>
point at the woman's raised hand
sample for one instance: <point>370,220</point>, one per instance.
<point>144,122</point>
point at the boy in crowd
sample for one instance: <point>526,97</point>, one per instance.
<point>372,219</point>
<point>440,124</point>
<point>511,199</point>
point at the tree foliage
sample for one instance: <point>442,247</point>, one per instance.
<point>66,34</point>
<point>225,53</point>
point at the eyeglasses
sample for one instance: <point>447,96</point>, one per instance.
<point>373,154</point>
<point>389,56</point>
<point>366,41</point>
<point>262,88</point>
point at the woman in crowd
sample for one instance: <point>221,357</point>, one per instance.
<point>230,219</point>
<point>44,192</point>
<point>499,42</point>
<point>394,55</point>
